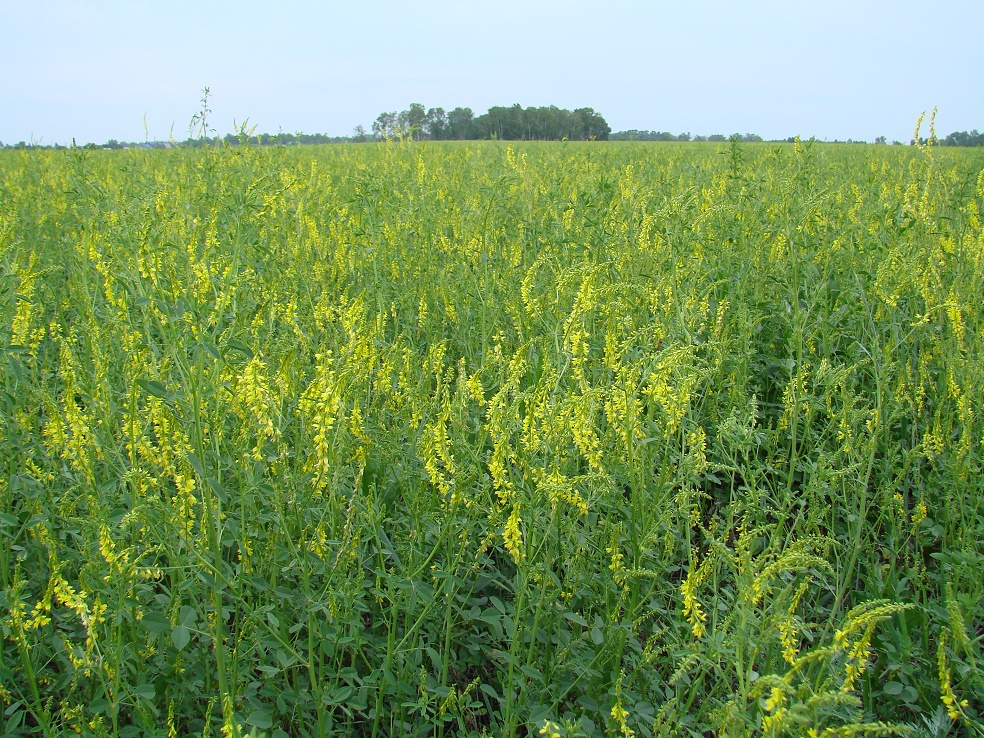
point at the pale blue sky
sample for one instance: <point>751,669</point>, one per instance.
<point>833,69</point>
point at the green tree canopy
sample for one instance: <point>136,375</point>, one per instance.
<point>513,123</point>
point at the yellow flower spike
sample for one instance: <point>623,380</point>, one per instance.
<point>512,536</point>
<point>619,713</point>
<point>947,696</point>
<point>692,609</point>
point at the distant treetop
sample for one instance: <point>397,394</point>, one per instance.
<point>962,138</point>
<point>514,123</point>
<point>634,135</point>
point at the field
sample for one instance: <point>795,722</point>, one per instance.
<point>487,439</point>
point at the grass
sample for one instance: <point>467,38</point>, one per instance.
<point>575,439</point>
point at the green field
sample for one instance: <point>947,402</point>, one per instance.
<point>486,439</point>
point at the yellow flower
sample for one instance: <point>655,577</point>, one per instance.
<point>512,536</point>
<point>692,609</point>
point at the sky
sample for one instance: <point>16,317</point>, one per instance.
<point>836,69</point>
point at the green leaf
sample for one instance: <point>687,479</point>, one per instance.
<point>435,657</point>
<point>14,718</point>
<point>260,719</point>
<point>233,345</point>
<point>509,626</point>
<point>597,636</point>
<point>16,368</point>
<point>339,696</point>
<point>491,617</point>
<point>154,388</point>
<point>892,688</point>
<point>212,350</point>
<point>489,690</point>
<point>196,464</point>
<point>155,622</point>
<point>180,635</point>
<point>531,673</point>
<point>219,490</point>
<point>146,691</point>
<point>575,618</point>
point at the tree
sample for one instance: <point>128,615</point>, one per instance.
<point>512,123</point>
<point>459,124</point>
<point>410,122</point>
<point>436,123</point>
<point>385,125</point>
<point>963,138</point>
<point>501,123</point>
<point>591,125</point>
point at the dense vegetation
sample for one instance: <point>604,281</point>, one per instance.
<point>963,138</point>
<point>455,131</point>
<point>463,439</point>
<point>513,123</point>
<point>635,135</point>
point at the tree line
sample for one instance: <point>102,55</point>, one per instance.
<point>230,139</point>
<point>634,135</point>
<point>513,123</point>
<point>963,138</point>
